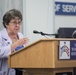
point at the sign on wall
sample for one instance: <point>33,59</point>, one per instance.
<point>65,8</point>
<point>67,50</point>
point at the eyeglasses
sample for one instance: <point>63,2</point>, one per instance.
<point>15,23</point>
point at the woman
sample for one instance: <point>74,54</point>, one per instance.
<point>10,39</point>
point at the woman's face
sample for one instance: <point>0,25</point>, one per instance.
<point>14,26</point>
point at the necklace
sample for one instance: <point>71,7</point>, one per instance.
<point>14,40</point>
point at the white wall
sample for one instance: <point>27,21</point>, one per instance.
<point>1,13</point>
<point>64,20</point>
<point>66,0</point>
<point>38,15</point>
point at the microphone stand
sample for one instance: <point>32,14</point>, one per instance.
<point>47,34</point>
<point>43,34</point>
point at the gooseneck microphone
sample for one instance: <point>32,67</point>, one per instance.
<point>43,34</point>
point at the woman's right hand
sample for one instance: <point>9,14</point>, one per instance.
<point>19,42</point>
<point>22,41</point>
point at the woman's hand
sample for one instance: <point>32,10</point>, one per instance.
<point>22,41</point>
<point>19,42</point>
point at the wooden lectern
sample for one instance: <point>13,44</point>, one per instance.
<point>41,58</point>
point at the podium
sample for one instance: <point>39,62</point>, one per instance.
<point>41,58</point>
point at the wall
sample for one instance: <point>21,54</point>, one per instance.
<point>38,15</point>
<point>1,13</point>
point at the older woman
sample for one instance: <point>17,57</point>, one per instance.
<point>10,39</point>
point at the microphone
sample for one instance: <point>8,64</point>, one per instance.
<point>36,32</point>
<point>43,34</point>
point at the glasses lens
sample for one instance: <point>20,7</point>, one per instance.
<point>15,23</point>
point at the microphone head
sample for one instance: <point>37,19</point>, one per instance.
<point>35,31</point>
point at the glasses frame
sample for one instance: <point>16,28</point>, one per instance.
<point>16,23</point>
